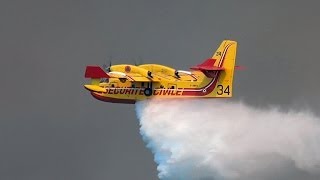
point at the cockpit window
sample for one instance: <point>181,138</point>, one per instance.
<point>102,80</point>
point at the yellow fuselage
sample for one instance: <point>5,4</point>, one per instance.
<point>163,84</point>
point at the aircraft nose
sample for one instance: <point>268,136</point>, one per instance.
<point>95,88</point>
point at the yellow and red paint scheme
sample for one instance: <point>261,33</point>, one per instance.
<point>128,83</point>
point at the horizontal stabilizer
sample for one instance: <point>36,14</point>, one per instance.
<point>95,72</point>
<point>239,68</point>
<point>207,65</point>
<point>213,68</point>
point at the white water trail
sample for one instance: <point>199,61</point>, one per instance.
<point>217,139</point>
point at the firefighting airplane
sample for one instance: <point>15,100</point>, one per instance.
<point>126,83</point>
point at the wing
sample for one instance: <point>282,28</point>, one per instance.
<point>134,77</point>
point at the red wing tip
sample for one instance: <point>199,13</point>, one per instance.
<point>95,72</point>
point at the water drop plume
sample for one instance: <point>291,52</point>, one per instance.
<point>220,139</point>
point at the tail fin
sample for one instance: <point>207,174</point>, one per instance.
<point>217,62</point>
<point>226,54</point>
<point>226,57</point>
<point>222,64</point>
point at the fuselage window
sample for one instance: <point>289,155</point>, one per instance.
<point>123,80</point>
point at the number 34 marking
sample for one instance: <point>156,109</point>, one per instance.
<point>222,90</point>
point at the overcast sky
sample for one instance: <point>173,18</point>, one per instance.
<point>50,126</point>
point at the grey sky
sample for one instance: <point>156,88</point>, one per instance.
<point>51,128</point>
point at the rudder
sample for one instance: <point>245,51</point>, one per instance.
<point>225,58</point>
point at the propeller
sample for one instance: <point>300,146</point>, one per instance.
<point>106,67</point>
<point>138,61</point>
